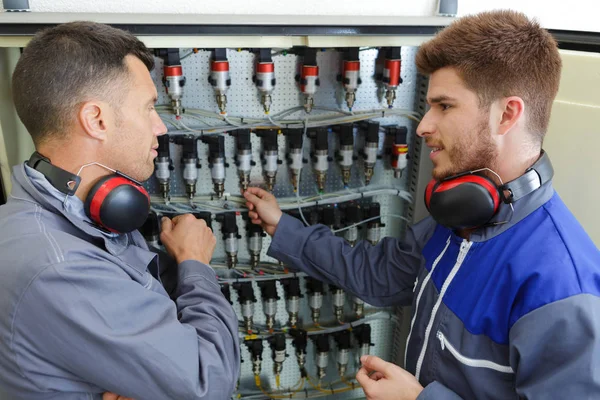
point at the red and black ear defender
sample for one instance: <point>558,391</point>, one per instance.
<point>116,203</point>
<point>471,199</point>
<point>463,201</point>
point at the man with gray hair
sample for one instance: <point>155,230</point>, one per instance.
<point>83,309</point>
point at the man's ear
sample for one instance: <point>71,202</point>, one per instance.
<point>93,118</point>
<point>512,109</point>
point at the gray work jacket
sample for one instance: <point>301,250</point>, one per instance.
<point>83,312</point>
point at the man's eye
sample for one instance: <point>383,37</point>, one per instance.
<point>444,106</point>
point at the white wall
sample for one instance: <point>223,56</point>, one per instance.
<point>569,15</point>
<point>261,7</point>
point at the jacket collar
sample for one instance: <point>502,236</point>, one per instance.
<point>118,245</point>
<point>522,208</point>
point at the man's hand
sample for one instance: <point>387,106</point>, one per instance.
<point>188,238</point>
<point>114,396</point>
<point>264,210</point>
<point>382,380</point>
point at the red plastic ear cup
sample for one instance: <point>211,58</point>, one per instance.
<point>464,201</point>
<point>118,204</point>
<point>429,190</point>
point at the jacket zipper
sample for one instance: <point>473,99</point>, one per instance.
<point>471,362</point>
<point>464,249</point>
<point>425,281</point>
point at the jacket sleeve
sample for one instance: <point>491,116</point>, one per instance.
<point>554,350</point>
<point>107,330</point>
<point>381,275</point>
<point>437,391</point>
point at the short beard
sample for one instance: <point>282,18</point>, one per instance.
<point>472,152</point>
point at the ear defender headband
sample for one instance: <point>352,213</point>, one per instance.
<point>470,200</point>
<point>117,202</point>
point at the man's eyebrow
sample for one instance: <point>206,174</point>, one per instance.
<point>439,99</point>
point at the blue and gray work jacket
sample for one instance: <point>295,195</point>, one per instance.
<point>513,312</point>
<point>83,312</point>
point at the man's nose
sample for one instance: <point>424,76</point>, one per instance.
<point>426,126</point>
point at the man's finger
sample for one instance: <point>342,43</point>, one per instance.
<point>166,225</point>
<point>110,396</point>
<point>249,205</point>
<point>252,198</point>
<point>362,376</point>
<point>373,363</point>
<point>258,192</point>
<point>257,221</point>
<point>376,376</point>
<point>253,214</point>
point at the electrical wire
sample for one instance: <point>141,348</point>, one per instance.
<point>194,51</point>
<point>180,205</point>
<point>314,120</point>
<point>300,175</point>
<point>274,123</point>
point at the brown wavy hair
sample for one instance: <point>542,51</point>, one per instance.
<point>500,54</point>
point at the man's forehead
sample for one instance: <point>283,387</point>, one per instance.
<point>446,84</point>
<point>141,76</point>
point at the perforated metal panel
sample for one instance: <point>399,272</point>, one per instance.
<point>243,100</point>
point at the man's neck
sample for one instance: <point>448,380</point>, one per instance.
<point>516,156</point>
<point>73,164</point>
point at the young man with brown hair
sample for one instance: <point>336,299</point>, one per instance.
<point>83,310</point>
<point>503,308</point>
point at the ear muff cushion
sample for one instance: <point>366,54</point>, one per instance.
<point>464,201</point>
<point>118,204</point>
<point>92,194</point>
<point>485,182</point>
<point>429,191</point>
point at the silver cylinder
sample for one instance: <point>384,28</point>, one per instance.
<point>231,244</point>
<point>270,307</point>
<point>342,356</point>
<point>219,81</point>
<point>296,159</point>
<point>255,243</point>
<point>363,350</point>
<point>374,234</point>
<point>293,304</point>
<point>351,83</point>
<point>321,162</point>
<point>271,164</point>
<point>244,158</point>
<point>162,171</point>
<point>264,81</point>
<point>315,300</point>
<point>175,89</point>
<point>190,171</point>
<point>247,309</point>
<point>322,359</point>
<point>346,156</point>
<point>352,235</point>
<point>311,84</point>
<point>217,171</point>
<point>371,153</point>
<point>338,298</point>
